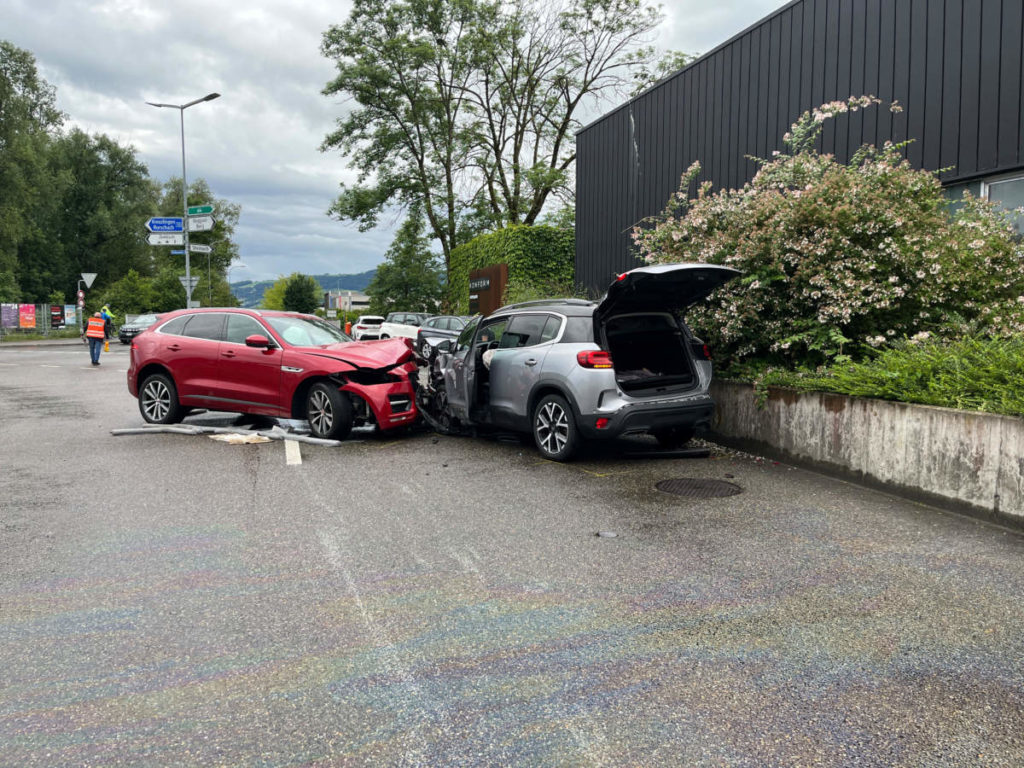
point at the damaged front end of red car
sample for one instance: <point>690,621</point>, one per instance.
<point>381,383</point>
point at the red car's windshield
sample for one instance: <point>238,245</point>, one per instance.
<point>306,332</point>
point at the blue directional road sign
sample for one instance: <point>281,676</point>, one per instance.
<point>165,224</point>
<point>177,253</point>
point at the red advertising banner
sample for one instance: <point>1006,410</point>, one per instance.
<point>27,316</point>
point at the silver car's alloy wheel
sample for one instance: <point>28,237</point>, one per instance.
<point>552,428</point>
<point>321,412</point>
<point>156,400</point>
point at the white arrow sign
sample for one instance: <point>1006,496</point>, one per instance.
<point>200,223</point>
<point>185,281</point>
<point>167,238</point>
<point>199,248</point>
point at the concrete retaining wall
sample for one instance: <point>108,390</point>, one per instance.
<point>960,459</point>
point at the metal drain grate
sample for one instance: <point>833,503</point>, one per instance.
<point>698,488</point>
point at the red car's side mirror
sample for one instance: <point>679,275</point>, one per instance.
<point>257,340</point>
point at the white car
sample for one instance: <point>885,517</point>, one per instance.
<point>405,324</point>
<point>367,327</point>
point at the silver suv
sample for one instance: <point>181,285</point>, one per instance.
<point>570,370</point>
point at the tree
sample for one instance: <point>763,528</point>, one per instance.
<point>168,292</point>
<point>671,62</point>
<point>273,297</point>
<point>132,294</point>
<point>9,289</point>
<point>468,107</point>
<point>301,293</point>
<point>295,293</point>
<point>92,223</point>
<point>29,121</point>
<point>410,277</point>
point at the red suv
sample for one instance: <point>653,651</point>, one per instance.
<point>271,363</point>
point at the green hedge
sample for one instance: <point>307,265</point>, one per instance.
<point>973,373</point>
<point>538,255</point>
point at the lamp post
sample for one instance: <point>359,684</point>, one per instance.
<point>184,184</point>
<point>239,265</point>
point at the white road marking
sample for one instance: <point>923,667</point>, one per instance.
<point>51,366</point>
<point>388,656</point>
<point>292,453</point>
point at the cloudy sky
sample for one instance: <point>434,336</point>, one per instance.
<point>258,144</point>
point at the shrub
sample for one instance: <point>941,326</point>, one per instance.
<point>538,258</point>
<point>973,373</point>
<point>839,259</point>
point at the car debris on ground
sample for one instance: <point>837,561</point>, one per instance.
<point>276,433</point>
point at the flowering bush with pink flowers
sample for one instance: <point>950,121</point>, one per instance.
<point>840,259</point>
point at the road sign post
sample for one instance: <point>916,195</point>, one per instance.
<point>167,238</point>
<point>165,224</point>
<point>200,223</point>
<point>87,278</point>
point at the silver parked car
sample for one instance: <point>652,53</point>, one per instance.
<point>570,370</point>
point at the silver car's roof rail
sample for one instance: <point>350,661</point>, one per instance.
<point>547,303</point>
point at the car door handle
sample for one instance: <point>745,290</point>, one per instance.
<point>173,347</point>
<point>229,353</point>
<point>531,362</point>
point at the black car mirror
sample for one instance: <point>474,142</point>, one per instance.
<point>257,340</point>
<point>446,346</point>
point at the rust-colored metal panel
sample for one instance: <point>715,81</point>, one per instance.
<point>487,288</point>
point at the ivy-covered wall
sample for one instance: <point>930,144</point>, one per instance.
<point>540,255</point>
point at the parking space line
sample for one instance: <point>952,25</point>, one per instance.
<point>292,453</point>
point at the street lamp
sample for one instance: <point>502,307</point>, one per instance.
<point>184,184</point>
<point>239,265</point>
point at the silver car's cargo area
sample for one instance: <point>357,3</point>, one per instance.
<point>649,354</point>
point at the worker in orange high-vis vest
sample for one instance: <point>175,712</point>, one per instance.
<point>96,335</point>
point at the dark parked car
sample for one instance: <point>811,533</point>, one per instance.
<point>437,329</point>
<point>132,329</point>
<point>271,363</point>
<point>570,370</point>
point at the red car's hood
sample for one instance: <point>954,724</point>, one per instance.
<point>367,354</point>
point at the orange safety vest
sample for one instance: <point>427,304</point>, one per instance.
<point>95,329</point>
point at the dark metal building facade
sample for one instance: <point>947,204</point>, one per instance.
<point>954,65</point>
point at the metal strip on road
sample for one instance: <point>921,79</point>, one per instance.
<point>292,453</point>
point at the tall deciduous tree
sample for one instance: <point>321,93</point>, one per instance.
<point>93,220</point>
<point>295,293</point>
<point>301,293</point>
<point>407,65</point>
<point>410,277</point>
<point>273,297</point>
<point>468,106</point>
<point>29,121</point>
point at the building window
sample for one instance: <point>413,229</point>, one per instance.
<point>955,193</point>
<point>1008,194</point>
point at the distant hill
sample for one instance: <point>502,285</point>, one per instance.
<point>251,293</point>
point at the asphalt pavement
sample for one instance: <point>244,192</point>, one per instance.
<point>439,601</point>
